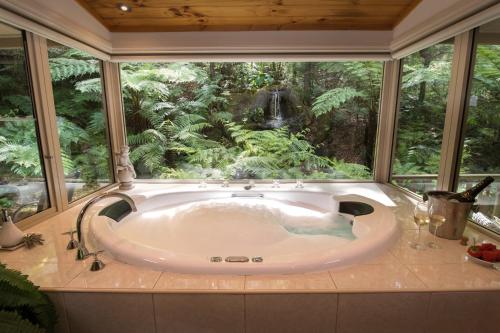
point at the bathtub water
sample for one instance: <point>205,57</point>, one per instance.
<point>278,232</point>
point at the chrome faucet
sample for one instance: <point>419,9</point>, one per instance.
<point>82,251</point>
<point>20,208</point>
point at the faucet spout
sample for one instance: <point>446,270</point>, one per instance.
<point>82,251</point>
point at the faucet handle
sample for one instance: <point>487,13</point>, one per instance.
<point>97,263</point>
<point>73,243</point>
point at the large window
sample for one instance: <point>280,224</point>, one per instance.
<point>481,149</point>
<point>278,120</point>
<point>81,120</point>
<point>23,188</point>
<point>422,108</point>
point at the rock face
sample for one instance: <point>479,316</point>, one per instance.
<point>278,107</point>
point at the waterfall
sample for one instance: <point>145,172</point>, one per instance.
<point>275,106</point>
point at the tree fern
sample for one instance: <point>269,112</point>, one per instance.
<point>333,99</point>
<point>66,68</point>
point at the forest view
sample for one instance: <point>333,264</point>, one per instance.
<point>277,120</point>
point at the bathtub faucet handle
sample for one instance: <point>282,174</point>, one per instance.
<point>72,244</point>
<point>97,263</point>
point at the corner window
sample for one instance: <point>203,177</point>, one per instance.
<point>23,185</point>
<point>422,108</point>
<point>273,120</point>
<point>81,120</point>
<point>481,145</point>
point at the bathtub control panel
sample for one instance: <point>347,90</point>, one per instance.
<point>236,259</point>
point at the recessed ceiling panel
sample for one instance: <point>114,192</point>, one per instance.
<point>239,15</point>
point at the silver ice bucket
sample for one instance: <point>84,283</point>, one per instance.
<point>455,213</point>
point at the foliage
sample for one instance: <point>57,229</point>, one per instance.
<point>23,308</point>
<point>189,124</point>
<point>333,99</point>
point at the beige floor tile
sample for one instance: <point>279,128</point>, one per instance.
<point>450,252</point>
<point>382,312</point>
<point>109,312</point>
<point>186,313</point>
<point>457,276</point>
<point>309,281</point>
<point>289,313</point>
<point>48,274</point>
<point>384,258</point>
<point>376,277</point>
<point>116,275</point>
<point>173,281</point>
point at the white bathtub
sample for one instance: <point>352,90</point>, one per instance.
<point>278,231</point>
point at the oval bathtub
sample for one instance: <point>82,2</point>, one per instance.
<point>245,232</point>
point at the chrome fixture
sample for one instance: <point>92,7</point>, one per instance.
<point>251,184</point>
<point>257,259</point>
<point>237,259</point>
<point>82,251</point>
<point>247,195</point>
<point>97,263</point>
<point>215,259</point>
<point>72,244</point>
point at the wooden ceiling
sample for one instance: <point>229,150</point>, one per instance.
<point>240,15</point>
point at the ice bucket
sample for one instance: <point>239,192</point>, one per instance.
<point>455,213</point>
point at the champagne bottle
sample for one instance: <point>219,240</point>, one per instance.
<point>470,194</point>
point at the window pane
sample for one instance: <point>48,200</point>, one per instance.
<point>480,154</point>
<point>23,187</point>
<point>422,107</point>
<point>257,120</point>
<point>81,120</point>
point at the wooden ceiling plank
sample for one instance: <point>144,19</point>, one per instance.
<point>243,3</point>
<point>176,11</point>
<point>317,21</point>
<point>231,15</point>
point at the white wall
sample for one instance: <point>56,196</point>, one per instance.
<point>64,16</point>
<point>255,41</point>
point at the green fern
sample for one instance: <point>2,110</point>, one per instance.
<point>333,99</point>
<point>23,308</point>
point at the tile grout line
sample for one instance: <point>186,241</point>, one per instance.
<point>157,280</point>
<point>333,281</point>
<point>337,314</point>
<point>154,312</point>
<point>244,313</point>
<point>68,322</point>
<point>415,274</point>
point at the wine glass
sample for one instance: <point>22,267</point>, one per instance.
<point>437,220</point>
<point>421,217</point>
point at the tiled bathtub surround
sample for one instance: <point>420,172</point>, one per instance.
<point>402,290</point>
<point>408,312</point>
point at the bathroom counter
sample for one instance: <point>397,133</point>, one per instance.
<point>401,268</point>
